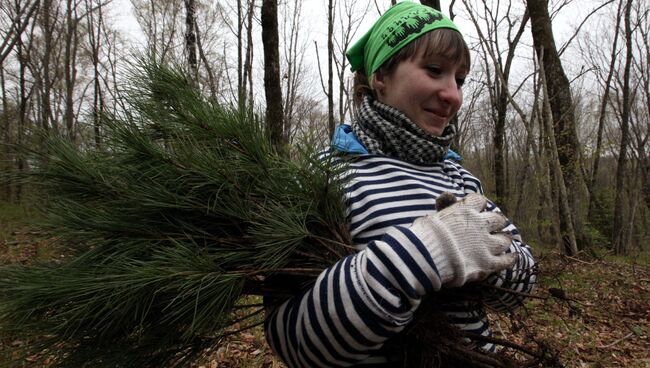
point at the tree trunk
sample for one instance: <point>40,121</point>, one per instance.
<point>432,3</point>
<point>70,68</point>
<point>500,172</point>
<point>248,62</point>
<point>22,114</point>
<point>548,198</point>
<point>643,27</point>
<point>645,188</point>
<point>190,40</point>
<point>499,90</point>
<point>212,81</point>
<point>45,77</point>
<point>561,106</point>
<point>7,138</point>
<point>330,67</point>
<point>272,84</point>
<point>241,94</point>
<point>568,240</point>
<point>618,241</point>
<point>95,40</point>
<point>601,120</point>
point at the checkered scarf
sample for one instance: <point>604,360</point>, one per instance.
<point>385,130</point>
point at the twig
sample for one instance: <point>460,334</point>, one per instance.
<point>502,342</point>
<point>250,315</point>
<point>510,291</point>
<point>225,334</point>
<point>476,359</point>
<point>617,341</point>
<point>581,261</point>
<point>245,306</point>
<point>287,270</point>
<point>33,232</point>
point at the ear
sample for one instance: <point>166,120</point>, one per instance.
<point>379,82</point>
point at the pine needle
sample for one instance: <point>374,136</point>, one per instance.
<point>185,209</point>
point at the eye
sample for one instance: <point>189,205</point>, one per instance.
<point>434,70</point>
<point>460,81</point>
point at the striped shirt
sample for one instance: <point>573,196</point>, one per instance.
<point>365,299</point>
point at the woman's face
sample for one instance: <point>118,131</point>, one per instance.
<point>426,89</point>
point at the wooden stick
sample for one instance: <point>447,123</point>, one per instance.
<point>617,341</point>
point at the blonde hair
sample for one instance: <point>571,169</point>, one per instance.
<point>442,42</point>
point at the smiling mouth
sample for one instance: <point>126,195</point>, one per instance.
<point>438,115</point>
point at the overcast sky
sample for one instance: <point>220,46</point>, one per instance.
<point>314,28</point>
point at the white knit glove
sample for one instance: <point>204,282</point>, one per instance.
<point>465,242</point>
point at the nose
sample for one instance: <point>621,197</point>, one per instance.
<point>450,92</point>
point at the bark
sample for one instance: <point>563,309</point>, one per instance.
<point>330,67</point>
<point>644,163</point>
<point>549,198</point>
<point>45,78</point>
<point>643,71</point>
<point>272,84</point>
<point>70,68</point>
<point>561,109</point>
<point>190,39</point>
<point>240,47</point>
<point>568,241</point>
<point>500,172</point>
<point>432,3</point>
<point>22,115</point>
<point>248,62</point>
<point>95,42</point>
<point>7,138</point>
<point>618,241</point>
<point>23,98</point>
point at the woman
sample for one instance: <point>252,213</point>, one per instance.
<point>410,67</point>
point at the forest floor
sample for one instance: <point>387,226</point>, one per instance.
<point>587,311</point>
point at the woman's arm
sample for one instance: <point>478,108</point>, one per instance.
<point>356,305</point>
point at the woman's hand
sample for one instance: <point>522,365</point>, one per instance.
<point>466,242</point>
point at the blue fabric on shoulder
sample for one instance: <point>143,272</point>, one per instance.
<point>451,155</point>
<point>345,141</point>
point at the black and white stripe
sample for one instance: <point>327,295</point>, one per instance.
<point>359,303</point>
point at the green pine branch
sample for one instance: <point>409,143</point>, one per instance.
<point>185,209</point>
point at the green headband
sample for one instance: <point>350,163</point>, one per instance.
<point>396,28</point>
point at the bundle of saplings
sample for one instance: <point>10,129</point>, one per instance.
<point>183,210</point>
